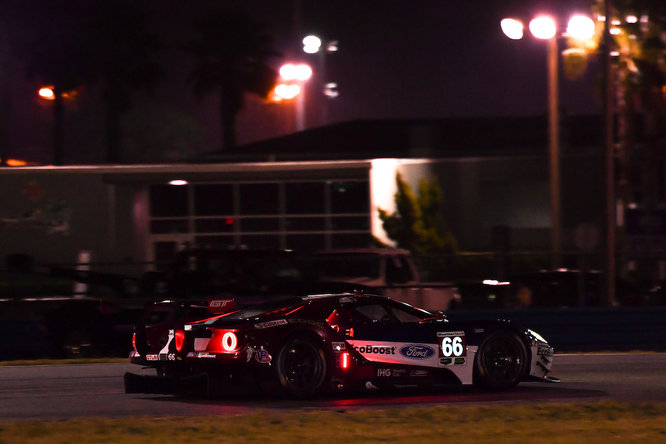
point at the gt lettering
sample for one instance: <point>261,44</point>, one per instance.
<point>452,346</point>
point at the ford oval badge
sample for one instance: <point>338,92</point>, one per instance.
<point>414,351</point>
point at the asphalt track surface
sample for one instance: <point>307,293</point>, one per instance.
<point>96,390</point>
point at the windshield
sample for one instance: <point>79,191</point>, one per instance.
<point>347,266</point>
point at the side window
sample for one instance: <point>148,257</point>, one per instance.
<point>376,313</point>
<point>405,316</point>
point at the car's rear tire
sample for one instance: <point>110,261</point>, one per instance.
<point>501,361</point>
<point>301,367</point>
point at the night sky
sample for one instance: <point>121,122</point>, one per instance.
<point>396,59</point>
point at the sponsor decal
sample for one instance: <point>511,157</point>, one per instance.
<point>417,351</point>
<point>375,349</point>
<point>307,322</point>
<point>171,357</point>
<point>262,356</point>
<point>206,355</point>
<point>418,373</point>
<point>152,358</point>
<point>220,303</point>
<point>219,306</point>
<point>384,372</point>
<point>546,352</point>
<point>452,344</point>
<point>270,324</point>
<point>452,361</point>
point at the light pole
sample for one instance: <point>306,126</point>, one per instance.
<point>545,28</point>
<point>314,45</point>
<point>53,94</point>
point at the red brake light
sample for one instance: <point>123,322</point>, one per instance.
<point>344,360</point>
<point>229,341</point>
<point>223,341</point>
<point>134,342</point>
<point>180,340</point>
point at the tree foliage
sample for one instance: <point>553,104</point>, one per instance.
<point>232,55</point>
<point>417,223</point>
<point>639,42</point>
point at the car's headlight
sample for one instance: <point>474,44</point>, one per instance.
<point>536,336</point>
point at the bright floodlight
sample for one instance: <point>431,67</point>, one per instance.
<point>543,27</point>
<point>512,28</point>
<point>46,93</point>
<point>287,91</point>
<point>581,27</point>
<point>311,44</point>
<point>300,72</point>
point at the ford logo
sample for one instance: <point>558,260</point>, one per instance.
<point>417,351</point>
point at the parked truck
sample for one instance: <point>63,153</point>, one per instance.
<point>387,271</point>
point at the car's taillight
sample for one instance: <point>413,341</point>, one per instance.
<point>134,342</point>
<point>223,341</point>
<point>344,360</point>
<point>229,342</point>
<point>180,340</point>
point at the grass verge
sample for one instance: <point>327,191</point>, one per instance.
<point>64,361</point>
<point>599,422</point>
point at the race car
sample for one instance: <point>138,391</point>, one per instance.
<point>309,345</point>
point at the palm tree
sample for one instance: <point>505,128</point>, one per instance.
<point>123,61</point>
<point>86,43</point>
<point>232,53</point>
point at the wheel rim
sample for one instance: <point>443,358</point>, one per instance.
<point>302,366</point>
<point>503,359</point>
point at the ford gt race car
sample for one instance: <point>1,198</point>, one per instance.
<point>305,346</point>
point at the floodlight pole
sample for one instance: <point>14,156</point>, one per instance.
<point>554,154</point>
<point>609,156</point>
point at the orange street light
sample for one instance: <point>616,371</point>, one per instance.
<point>286,91</point>
<point>46,93</point>
<point>294,75</point>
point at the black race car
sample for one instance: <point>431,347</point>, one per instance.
<point>308,345</point>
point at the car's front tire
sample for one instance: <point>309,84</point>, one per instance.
<point>301,367</point>
<point>501,361</point>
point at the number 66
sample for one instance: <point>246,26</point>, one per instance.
<point>452,346</point>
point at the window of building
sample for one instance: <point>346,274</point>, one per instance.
<point>350,197</point>
<point>213,199</point>
<point>259,198</point>
<point>168,201</point>
<point>305,198</point>
<point>299,215</point>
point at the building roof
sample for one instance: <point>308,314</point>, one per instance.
<point>433,138</point>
